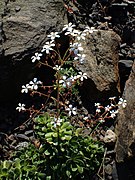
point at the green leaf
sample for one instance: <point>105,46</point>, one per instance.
<point>62,149</point>
<point>68,138</point>
<point>80,169</point>
<point>4,170</point>
<point>74,169</point>
<point>17,171</point>
<point>48,177</point>
<point>49,135</point>
<point>41,175</point>
<point>7,164</point>
<point>50,140</point>
<point>55,134</point>
<point>65,125</point>
<point>78,131</point>
<point>47,153</point>
<point>68,174</point>
<point>68,132</point>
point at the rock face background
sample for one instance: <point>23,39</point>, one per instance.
<point>125,129</point>
<point>24,26</point>
<point>101,66</point>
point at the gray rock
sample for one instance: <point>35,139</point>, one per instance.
<point>27,29</point>
<point>110,137</point>
<point>22,145</point>
<point>125,128</point>
<point>108,169</point>
<point>2,4</point>
<point>114,172</point>
<point>17,8</point>
<point>30,132</point>
<point>125,64</point>
<point>101,66</point>
<point>25,32</point>
<point>22,136</point>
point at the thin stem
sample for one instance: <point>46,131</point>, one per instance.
<point>42,94</point>
<point>102,165</point>
<point>46,65</point>
<point>65,53</point>
<point>58,95</point>
<point>95,128</point>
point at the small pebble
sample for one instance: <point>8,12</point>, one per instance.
<point>17,8</point>
<point>108,169</point>
<point>110,137</point>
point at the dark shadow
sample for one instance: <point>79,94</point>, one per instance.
<point>126,170</point>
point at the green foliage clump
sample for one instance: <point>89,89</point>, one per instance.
<point>64,153</point>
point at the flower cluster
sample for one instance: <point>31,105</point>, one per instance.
<point>68,81</point>
<point>33,85</point>
<point>57,67</point>
<point>122,103</point>
<point>47,47</point>
<point>110,110</point>
<point>75,47</point>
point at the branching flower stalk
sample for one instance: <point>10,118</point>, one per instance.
<point>66,77</point>
<point>58,118</point>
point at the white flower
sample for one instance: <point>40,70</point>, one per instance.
<point>71,110</point>
<point>81,36</point>
<point>73,33</point>
<point>56,122</point>
<point>98,110</point>
<point>112,98</point>
<point>25,88</point>
<point>53,35</point>
<point>113,113</point>
<point>76,47</point>
<point>57,68</point>
<point>63,81</point>
<point>36,57</point>
<point>85,118</point>
<point>80,58</point>
<point>97,104</point>
<point>21,107</point>
<point>34,84</point>
<point>122,103</point>
<point>67,82</point>
<point>112,105</point>
<point>73,78</point>
<point>89,29</point>
<point>82,76</point>
<point>69,27</point>
<point>48,47</point>
<point>107,108</point>
<point>101,120</point>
